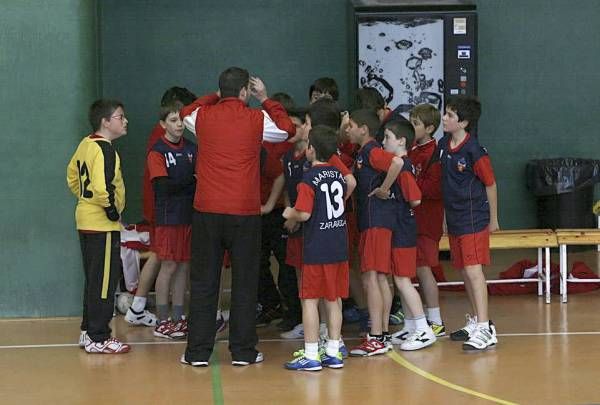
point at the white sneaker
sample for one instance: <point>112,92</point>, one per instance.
<point>145,318</point>
<point>182,360</point>
<point>482,338</point>
<point>84,339</point>
<point>109,346</point>
<point>296,333</point>
<point>419,340</point>
<point>464,333</point>
<point>259,359</point>
<point>400,337</point>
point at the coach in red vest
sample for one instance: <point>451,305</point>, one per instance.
<point>227,210</point>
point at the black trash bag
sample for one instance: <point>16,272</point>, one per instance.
<point>561,175</point>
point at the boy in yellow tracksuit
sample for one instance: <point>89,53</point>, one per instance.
<point>94,176</point>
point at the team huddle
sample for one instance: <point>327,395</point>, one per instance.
<point>344,201</point>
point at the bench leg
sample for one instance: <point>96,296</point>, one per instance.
<point>547,275</point>
<point>563,272</point>
<point>540,273</point>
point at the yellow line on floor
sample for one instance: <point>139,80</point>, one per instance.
<point>408,365</point>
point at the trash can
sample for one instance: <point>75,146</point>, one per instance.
<point>564,188</point>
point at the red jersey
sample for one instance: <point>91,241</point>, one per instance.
<point>230,136</point>
<point>430,213</point>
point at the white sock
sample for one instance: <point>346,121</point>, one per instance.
<point>332,348</point>
<point>434,315</point>
<point>139,304</point>
<point>410,324</point>
<point>421,323</point>
<point>485,324</point>
<point>311,350</point>
<point>323,330</point>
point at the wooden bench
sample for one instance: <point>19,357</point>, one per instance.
<point>566,237</point>
<point>541,239</point>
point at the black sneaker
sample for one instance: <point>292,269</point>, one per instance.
<point>287,324</point>
<point>268,315</point>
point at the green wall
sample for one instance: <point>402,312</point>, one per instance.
<point>48,73</point>
<point>538,80</point>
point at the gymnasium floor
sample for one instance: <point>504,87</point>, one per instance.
<point>547,354</point>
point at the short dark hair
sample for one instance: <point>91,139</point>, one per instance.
<point>102,108</point>
<point>172,107</point>
<point>427,114</point>
<point>325,85</point>
<point>180,94</point>
<point>369,97</point>
<point>366,117</point>
<point>324,140</point>
<point>298,112</point>
<point>402,129</point>
<point>285,100</point>
<point>325,111</point>
<point>468,108</point>
<point>232,80</point>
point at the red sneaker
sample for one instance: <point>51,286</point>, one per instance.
<point>168,330</point>
<point>109,346</point>
<point>369,347</point>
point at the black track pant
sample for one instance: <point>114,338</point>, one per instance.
<point>102,268</point>
<point>212,234</point>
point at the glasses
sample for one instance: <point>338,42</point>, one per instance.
<point>119,117</point>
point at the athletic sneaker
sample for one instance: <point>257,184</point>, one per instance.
<point>296,333</point>
<point>109,346</point>
<point>387,340</point>
<point>145,318</point>
<point>259,358</point>
<point>370,346</point>
<point>268,315</point>
<point>182,360</point>
<point>180,328</point>
<point>343,349</point>
<point>336,361</point>
<point>483,337</point>
<point>84,339</point>
<point>287,324</point>
<point>168,330</point>
<point>463,334</point>
<point>419,340</point>
<point>397,317</point>
<point>438,329</point>
<point>400,337</point>
<point>302,363</point>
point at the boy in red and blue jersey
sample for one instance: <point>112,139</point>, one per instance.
<point>470,202</point>
<point>320,205</point>
<point>376,219</point>
<point>398,135</point>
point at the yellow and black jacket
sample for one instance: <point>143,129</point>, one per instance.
<point>94,176</point>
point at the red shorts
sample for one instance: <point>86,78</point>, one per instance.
<point>329,281</point>
<point>173,242</point>
<point>404,262</point>
<point>152,235</point>
<point>226,259</point>
<point>375,249</point>
<point>428,251</point>
<point>470,249</point>
<point>353,234</point>
<point>293,251</point>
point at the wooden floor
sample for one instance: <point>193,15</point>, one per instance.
<point>547,354</point>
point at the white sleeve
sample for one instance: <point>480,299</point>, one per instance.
<point>190,121</point>
<point>270,131</point>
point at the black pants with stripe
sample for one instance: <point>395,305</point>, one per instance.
<point>102,268</point>
<point>212,234</point>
